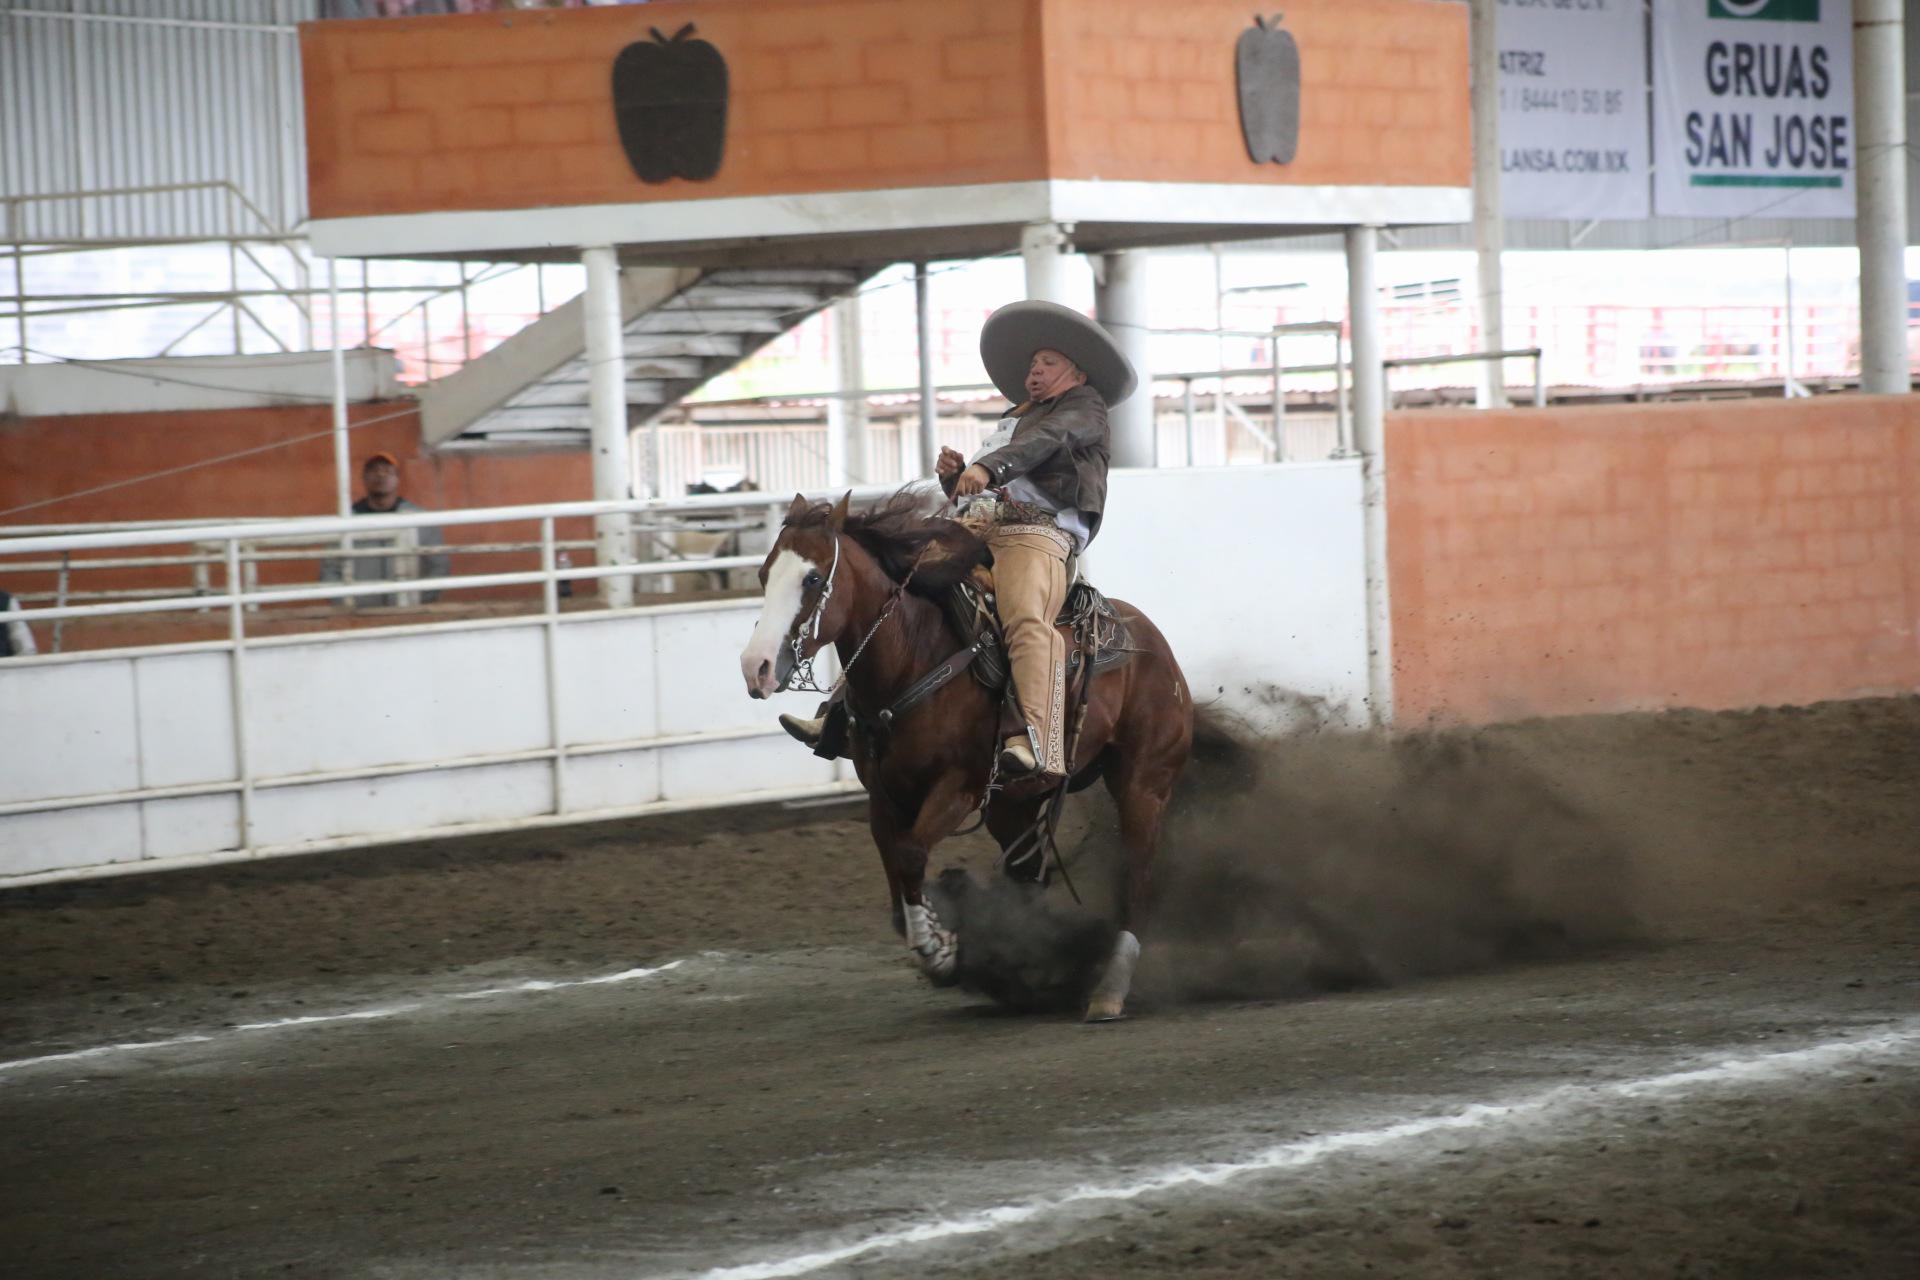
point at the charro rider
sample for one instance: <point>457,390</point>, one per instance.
<point>1036,489</point>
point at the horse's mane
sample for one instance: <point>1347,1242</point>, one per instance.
<point>905,530</point>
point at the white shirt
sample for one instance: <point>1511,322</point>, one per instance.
<point>1072,521</point>
<point>18,632</point>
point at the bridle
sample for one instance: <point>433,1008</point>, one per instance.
<point>812,625</point>
<point>803,680</point>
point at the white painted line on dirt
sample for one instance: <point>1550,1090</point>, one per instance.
<point>355,1015</point>
<point>537,984</point>
<point>1738,1070</point>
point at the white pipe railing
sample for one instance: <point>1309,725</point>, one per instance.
<point>654,525</point>
<point>238,598</point>
<point>232,536</point>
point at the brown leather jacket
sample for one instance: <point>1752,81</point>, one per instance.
<point>1061,447</point>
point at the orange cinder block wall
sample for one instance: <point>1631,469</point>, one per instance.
<point>1145,90</point>
<point>86,461</point>
<point>515,110</point>
<point>1718,554</point>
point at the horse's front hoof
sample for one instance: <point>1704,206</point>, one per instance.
<point>1106,1011</point>
<point>941,966</point>
<point>936,950</point>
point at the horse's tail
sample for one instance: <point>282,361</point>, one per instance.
<point>1226,751</point>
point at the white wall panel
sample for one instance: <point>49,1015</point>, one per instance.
<point>192,825</point>
<point>616,780</point>
<point>186,719</point>
<point>411,802</point>
<point>194,383</point>
<point>607,680</point>
<point>388,700</point>
<point>1254,574</point>
<point>31,842</point>
<point>711,769</point>
<point>70,729</point>
<point>699,669</point>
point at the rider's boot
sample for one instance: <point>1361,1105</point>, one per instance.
<point>805,731</point>
<point>1018,758</point>
<point>826,732</point>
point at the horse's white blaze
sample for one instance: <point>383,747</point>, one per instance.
<point>781,607</point>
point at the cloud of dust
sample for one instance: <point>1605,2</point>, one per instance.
<point>1026,947</point>
<point>1322,861</point>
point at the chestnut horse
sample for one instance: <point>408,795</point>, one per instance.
<point>868,585</point>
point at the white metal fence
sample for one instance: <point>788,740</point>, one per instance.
<point>248,745</point>
<point>252,745</point>
<point>681,547</point>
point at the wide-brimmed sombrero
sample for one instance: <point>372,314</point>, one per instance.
<point>1014,332</point>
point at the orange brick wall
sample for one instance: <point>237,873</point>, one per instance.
<point>1144,90</point>
<point>43,458</point>
<point>1718,554</point>
<point>502,111</point>
<point>506,111</point>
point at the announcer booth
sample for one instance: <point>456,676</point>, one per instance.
<point>790,133</point>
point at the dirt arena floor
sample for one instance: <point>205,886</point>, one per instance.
<point>1612,996</point>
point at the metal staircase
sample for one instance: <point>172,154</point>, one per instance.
<point>683,327</point>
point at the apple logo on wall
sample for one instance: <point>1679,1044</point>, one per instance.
<point>1266,65</point>
<point>670,101</point>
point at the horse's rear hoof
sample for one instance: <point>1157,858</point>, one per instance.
<point>1108,1003</point>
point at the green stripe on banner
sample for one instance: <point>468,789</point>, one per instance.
<point>1766,10</point>
<point>1761,180</point>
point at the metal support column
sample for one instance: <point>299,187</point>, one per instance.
<point>607,412</point>
<point>1279,399</point>
<point>1121,303</point>
<point>1044,247</point>
<point>550,606</point>
<point>1880,200</point>
<point>233,289</point>
<point>847,411</point>
<point>1489,233</point>
<point>1186,414</point>
<point>928,437</point>
<point>1369,423</point>
<point>1342,406</point>
<point>19,277</point>
<point>342,452</point>
<point>237,692</point>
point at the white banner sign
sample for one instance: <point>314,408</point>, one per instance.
<point>1573,109</point>
<point>1753,108</point>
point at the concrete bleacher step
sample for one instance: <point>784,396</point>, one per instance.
<point>570,389</point>
<point>682,329</point>
<point>690,345</point>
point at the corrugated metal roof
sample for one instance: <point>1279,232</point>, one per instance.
<point>201,97</point>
